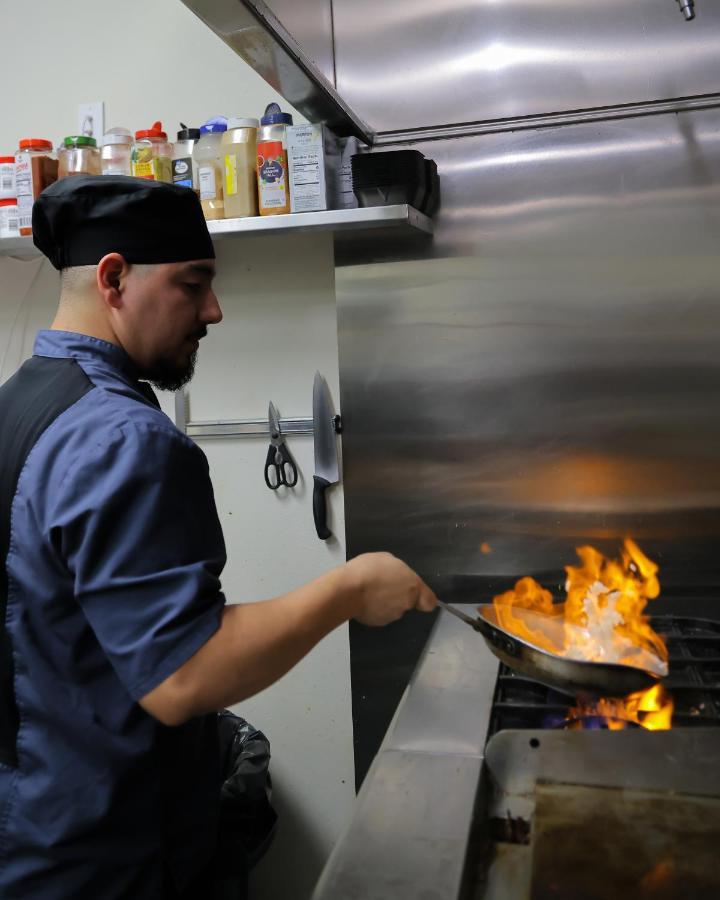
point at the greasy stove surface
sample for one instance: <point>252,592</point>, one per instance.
<point>598,813</point>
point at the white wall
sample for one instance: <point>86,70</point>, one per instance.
<point>146,60</point>
<point>157,60</point>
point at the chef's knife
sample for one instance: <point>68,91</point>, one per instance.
<point>326,457</point>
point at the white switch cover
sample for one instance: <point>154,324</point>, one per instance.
<point>91,119</point>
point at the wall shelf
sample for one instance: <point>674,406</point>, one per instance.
<point>401,220</point>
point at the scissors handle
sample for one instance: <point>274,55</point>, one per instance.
<point>280,468</point>
<point>287,466</point>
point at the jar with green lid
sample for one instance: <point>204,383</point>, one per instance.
<point>78,155</point>
<point>152,154</point>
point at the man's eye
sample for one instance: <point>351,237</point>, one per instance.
<point>192,285</point>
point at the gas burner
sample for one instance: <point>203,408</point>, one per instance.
<point>597,723</point>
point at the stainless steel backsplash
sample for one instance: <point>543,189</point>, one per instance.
<point>547,372</point>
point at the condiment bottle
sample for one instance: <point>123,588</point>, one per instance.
<point>239,148</point>
<point>152,155</point>
<point>116,152</point>
<point>35,169</point>
<point>78,155</point>
<point>273,188</point>
<point>207,154</point>
<point>184,169</point>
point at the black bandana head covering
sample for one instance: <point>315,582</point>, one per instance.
<point>81,218</point>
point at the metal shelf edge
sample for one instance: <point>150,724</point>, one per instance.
<point>335,220</point>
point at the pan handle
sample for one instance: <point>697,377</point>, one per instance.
<point>464,617</point>
<point>495,636</point>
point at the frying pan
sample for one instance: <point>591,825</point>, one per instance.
<point>572,676</point>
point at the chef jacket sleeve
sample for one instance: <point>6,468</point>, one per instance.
<point>139,532</point>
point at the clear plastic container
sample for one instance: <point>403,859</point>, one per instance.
<point>207,154</point>
<point>239,150</point>
<point>116,152</point>
<point>152,155</point>
<point>78,155</point>
<point>272,162</point>
<point>35,169</point>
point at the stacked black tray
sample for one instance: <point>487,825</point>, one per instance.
<point>396,176</point>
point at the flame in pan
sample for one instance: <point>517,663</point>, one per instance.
<point>602,620</point>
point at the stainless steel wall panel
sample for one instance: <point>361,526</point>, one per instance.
<point>548,372</point>
<point>414,63</point>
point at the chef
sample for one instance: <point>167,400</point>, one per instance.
<point>116,643</point>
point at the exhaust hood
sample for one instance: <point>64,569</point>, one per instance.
<point>252,30</point>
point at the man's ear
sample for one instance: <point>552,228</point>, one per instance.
<point>111,272</point>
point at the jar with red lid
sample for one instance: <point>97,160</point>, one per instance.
<point>35,169</point>
<point>152,154</point>
<point>7,177</point>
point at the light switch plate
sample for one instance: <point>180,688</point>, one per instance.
<point>91,119</point>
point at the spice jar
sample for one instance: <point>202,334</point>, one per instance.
<point>184,169</point>
<point>152,155</point>
<point>35,169</point>
<point>78,155</point>
<point>272,162</point>
<point>207,154</point>
<point>117,145</point>
<point>239,151</point>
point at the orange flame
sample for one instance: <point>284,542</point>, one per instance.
<point>602,620</point>
<point>652,709</point>
<point>603,612</point>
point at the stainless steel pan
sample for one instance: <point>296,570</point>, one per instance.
<point>573,676</point>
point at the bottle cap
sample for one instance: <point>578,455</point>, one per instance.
<point>35,144</point>
<point>187,134</point>
<point>154,132</point>
<point>80,140</point>
<point>216,125</point>
<point>237,122</point>
<point>117,136</point>
<point>275,116</point>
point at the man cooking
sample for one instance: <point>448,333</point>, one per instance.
<point>118,646</point>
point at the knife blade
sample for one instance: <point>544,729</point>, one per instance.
<point>326,455</point>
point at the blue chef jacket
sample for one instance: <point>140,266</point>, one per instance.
<point>114,555</point>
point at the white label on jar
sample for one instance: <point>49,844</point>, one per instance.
<point>23,178</point>
<point>7,180</point>
<point>206,177</point>
<point>9,224</point>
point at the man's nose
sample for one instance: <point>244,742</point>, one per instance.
<point>212,314</point>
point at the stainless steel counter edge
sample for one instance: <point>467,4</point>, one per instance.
<point>411,824</point>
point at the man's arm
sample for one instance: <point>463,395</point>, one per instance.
<point>257,643</point>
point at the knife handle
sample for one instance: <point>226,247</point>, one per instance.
<point>320,507</point>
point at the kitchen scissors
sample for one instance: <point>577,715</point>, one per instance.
<point>280,469</point>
